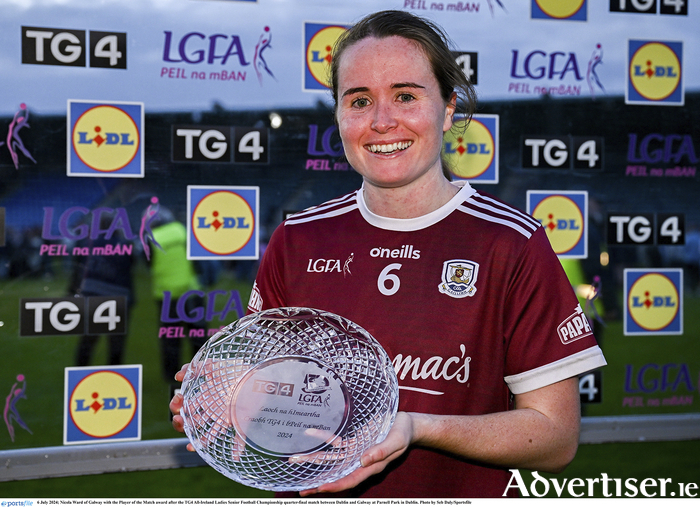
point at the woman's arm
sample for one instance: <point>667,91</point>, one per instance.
<point>541,433</point>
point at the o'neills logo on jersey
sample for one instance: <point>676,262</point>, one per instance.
<point>102,404</point>
<point>222,222</point>
<point>575,327</point>
<point>405,252</point>
<point>105,139</point>
<point>458,278</point>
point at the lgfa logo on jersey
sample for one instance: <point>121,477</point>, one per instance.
<point>472,153</point>
<point>105,139</point>
<point>655,73</point>
<point>319,40</point>
<point>459,278</point>
<point>222,222</point>
<point>653,301</point>
<point>102,404</point>
<point>564,216</point>
<point>572,10</point>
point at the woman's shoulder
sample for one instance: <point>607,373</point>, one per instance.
<point>330,209</point>
<point>494,212</point>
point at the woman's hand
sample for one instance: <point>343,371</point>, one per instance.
<point>176,405</point>
<point>541,433</point>
<point>376,458</point>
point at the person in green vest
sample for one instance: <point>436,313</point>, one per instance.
<point>173,280</point>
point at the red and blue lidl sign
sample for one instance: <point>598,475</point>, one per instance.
<point>655,73</point>
<point>105,139</point>
<point>564,216</point>
<point>318,44</point>
<point>222,222</point>
<point>570,10</point>
<point>653,301</point>
<point>102,404</point>
<point>471,151</point>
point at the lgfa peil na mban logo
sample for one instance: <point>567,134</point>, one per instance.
<point>459,278</point>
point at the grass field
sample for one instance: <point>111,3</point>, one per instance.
<point>675,460</point>
<point>645,375</point>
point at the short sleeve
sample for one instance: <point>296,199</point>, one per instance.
<point>548,336</point>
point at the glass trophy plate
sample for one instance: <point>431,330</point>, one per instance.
<point>289,398</point>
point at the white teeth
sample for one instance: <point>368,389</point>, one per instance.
<point>389,148</point>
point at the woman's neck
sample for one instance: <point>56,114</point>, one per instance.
<point>410,201</point>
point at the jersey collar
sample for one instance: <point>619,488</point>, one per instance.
<point>415,224</point>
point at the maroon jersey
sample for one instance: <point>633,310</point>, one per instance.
<point>469,301</point>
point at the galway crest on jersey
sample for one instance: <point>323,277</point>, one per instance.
<point>459,278</point>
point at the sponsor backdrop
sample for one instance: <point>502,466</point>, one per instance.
<point>149,148</point>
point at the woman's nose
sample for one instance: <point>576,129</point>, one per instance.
<point>384,118</point>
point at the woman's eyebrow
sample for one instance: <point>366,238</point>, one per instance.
<point>395,86</point>
<point>406,85</point>
<point>352,91</point>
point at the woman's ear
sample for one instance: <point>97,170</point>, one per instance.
<point>450,109</point>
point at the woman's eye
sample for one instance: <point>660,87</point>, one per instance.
<point>405,97</point>
<point>361,102</point>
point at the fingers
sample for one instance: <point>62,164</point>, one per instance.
<point>349,481</point>
<point>180,375</point>
<point>376,458</point>
<point>179,423</point>
<point>176,403</point>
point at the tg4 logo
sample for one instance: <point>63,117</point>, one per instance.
<point>562,152</point>
<point>73,315</point>
<point>208,143</point>
<point>66,47</point>
<point>646,228</point>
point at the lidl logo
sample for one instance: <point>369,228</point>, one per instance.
<point>319,40</point>
<point>105,139</point>
<point>571,10</point>
<point>655,73</point>
<point>653,301</point>
<point>222,222</point>
<point>564,216</point>
<point>102,404</point>
<point>472,153</point>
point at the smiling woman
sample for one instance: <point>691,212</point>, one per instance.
<point>391,119</point>
<point>467,300</point>
<point>396,89</point>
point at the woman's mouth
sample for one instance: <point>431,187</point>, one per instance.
<point>389,148</point>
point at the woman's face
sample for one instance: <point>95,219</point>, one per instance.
<point>390,113</point>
